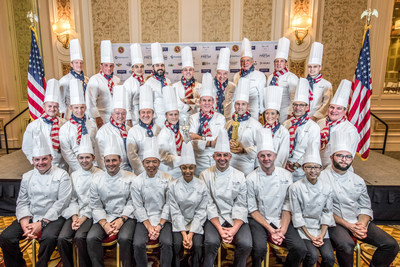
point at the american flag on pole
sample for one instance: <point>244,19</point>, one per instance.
<point>360,105</point>
<point>36,80</point>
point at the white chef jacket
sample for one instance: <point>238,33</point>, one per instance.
<point>159,108</point>
<point>350,195</point>
<point>305,134</point>
<point>288,82</point>
<point>268,194</point>
<point>167,148</point>
<point>185,110</point>
<point>202,153</point>
<point>132,87</point>
<point>228,194</point>
<point>228,104</point>
<point>69,147</point>
<point>281,141</point>
<point>28,144</point>
<point>247,137</point>
<point>43,195</point>
<point>149,196</point>
<point>79,204</point>
<point>256,92</point>
<point>110,196</point>
<point>102,138</point>
<point>322,94</point>
<point>344,126</point>
<point>135,146</point>
<point>188,205</point>
<point>311,206</point>
<point>65,95</point>
<point>99,98</point>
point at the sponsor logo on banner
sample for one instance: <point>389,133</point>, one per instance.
<point>118,64</point>
<point>235,70</point>
<point>172,57</point>
<point>194,48</point>
<point>116,57</point>
<point>217,48</point>
<point>235,55</point>
<point>147,71</point>
<point>253,47</point>
<point>180,64</point>
<point>205,70</point>
<point>170,65</point>
<point>205,63</point>
<point>147,57</point>
<point>149,64</point>
<point>121,49</point>
<point>128,64</point>
<point>165,49</point>
<point>206,56</point>
<point>121,71</point>
<point>276,47</point>
<point>177,49</point>
<point>265,62</point>
<point>176,71</point>
<point>235,48</point>
<point>265,55</point>
<point>264,69</point>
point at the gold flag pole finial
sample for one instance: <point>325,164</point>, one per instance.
<point>368,13</point>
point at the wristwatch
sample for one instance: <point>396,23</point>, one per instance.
<point>124,219</point>
<point>161,225</point>
<point>203,138</point>
<point>43,223</point>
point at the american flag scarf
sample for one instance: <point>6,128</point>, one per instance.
<point>276,76</point>
<point>178,136</point>
<point>311,82</point>
<point>188,85</point>
<point>220,94</point>
<point>325,132</point>
<point>81,124</point>
<point>109,79</point>
<point>244,117</point>
<point>139,78</point>
<point>81,77</point>
<point>244,73</point>
<point>55,128</point>
<point>204,128</point>
<point>121,127</point>
<point>294,123</point>
<point>161,79</point>
<point>274,127</point>
<point>148,127</point>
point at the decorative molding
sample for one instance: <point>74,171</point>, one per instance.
<point>66,67</point>
<point>297,67</point>
<point>257,22</point>
<point>216,16</point>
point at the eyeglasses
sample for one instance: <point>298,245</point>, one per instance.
<point>341,156</point>
<point>299,105</point>
<point>313,168</point>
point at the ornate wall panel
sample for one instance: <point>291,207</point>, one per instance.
<point>64,9</point>
<point>297,67</point>
<point>110,22</point>
<point>257,19</point>
<point>342,36</point>
<point>160,21</point>
<point>216,17</point>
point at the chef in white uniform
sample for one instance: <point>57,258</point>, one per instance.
<point>336,121</point>
<point>257,79</point>
<point>302,130</point>
<point>282,77</point>
<point>227,208</point>
<point>111,206</point>
<point>72,131</point>
<point>149,195</point>
<point>157,81</point>
<point>100,87</point>
<point>145,128</point>
<point>44,193</point>
<point>244,148</point>
<point>48,124</point>
<point>280,135</point>
<point>78,214</point>
<point>170,139</point>
<point>205,125</point>
<point>115,126</point>
<point>268,206</point>
<point>187,89</point>
<point>352,207</point>
<point>188,198</point>
<point>312,210</point>
<point>76,72</point>
<point>132,85</point>
<point>320,89</point>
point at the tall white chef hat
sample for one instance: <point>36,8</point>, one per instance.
<point>76,92</point>
<point>112,146</point>
<point>207,86</point>
<point>136,54</point>
<point>342,95</point>
<point>119,97</point>
<point>146,98</point>
<point>246,48</point>
<point>223,59</point>
<point>150,148</point>
<point>312,153</point>
<point>316,53</point>
<point>283,48</point>
<point>302,91</point>
<point>187,57</point>
<point>170,100</point>
<point>264,141</point>
<point>156,54</point>
<point>75,51</point>
<point>273,97</point>
<point>40,145</point>
<point>343,141</point>
<point>52,91</point>
<point>242,90</point>
<point>187,154</point>
<point>86,146</point>
<point>222,144</point>
<point>107,55</point>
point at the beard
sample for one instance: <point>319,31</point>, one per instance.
<point>340,168</point>
<point>159,72</point>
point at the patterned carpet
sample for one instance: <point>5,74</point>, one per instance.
<point>276,256</point>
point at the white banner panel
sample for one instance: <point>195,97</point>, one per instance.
<point>205,58</point>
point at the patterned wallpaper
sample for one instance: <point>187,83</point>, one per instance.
<point>110,22</point>
<point>160,21</point>
<point>257,20</point>
<point>216,18</point>
<point>342,36</point>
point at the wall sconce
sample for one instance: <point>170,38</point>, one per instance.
<point>62,28</point>
<point>397,25</point>
<point>301,24</point>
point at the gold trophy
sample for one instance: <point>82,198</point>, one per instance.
<point>235,132</point>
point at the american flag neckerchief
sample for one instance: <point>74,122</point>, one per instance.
<point>204,128</point>
<point>294,123</point>
<point>81,77</point>
<point>81,124</point>
<point>139,78</point>
<point>55,128</point>
<point>110,81</point>
<point>325,132</point>
<point>148,127</point>
<point>120,126</point>
<point>244,73</point>
<point>161,79</point>
<point>188,85</point>
<point>311,82</point>
<point>276,76</point>
<point>244,117</point>
<point>177,134</point>
<point>274,127</point>
<point>220,94</point>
